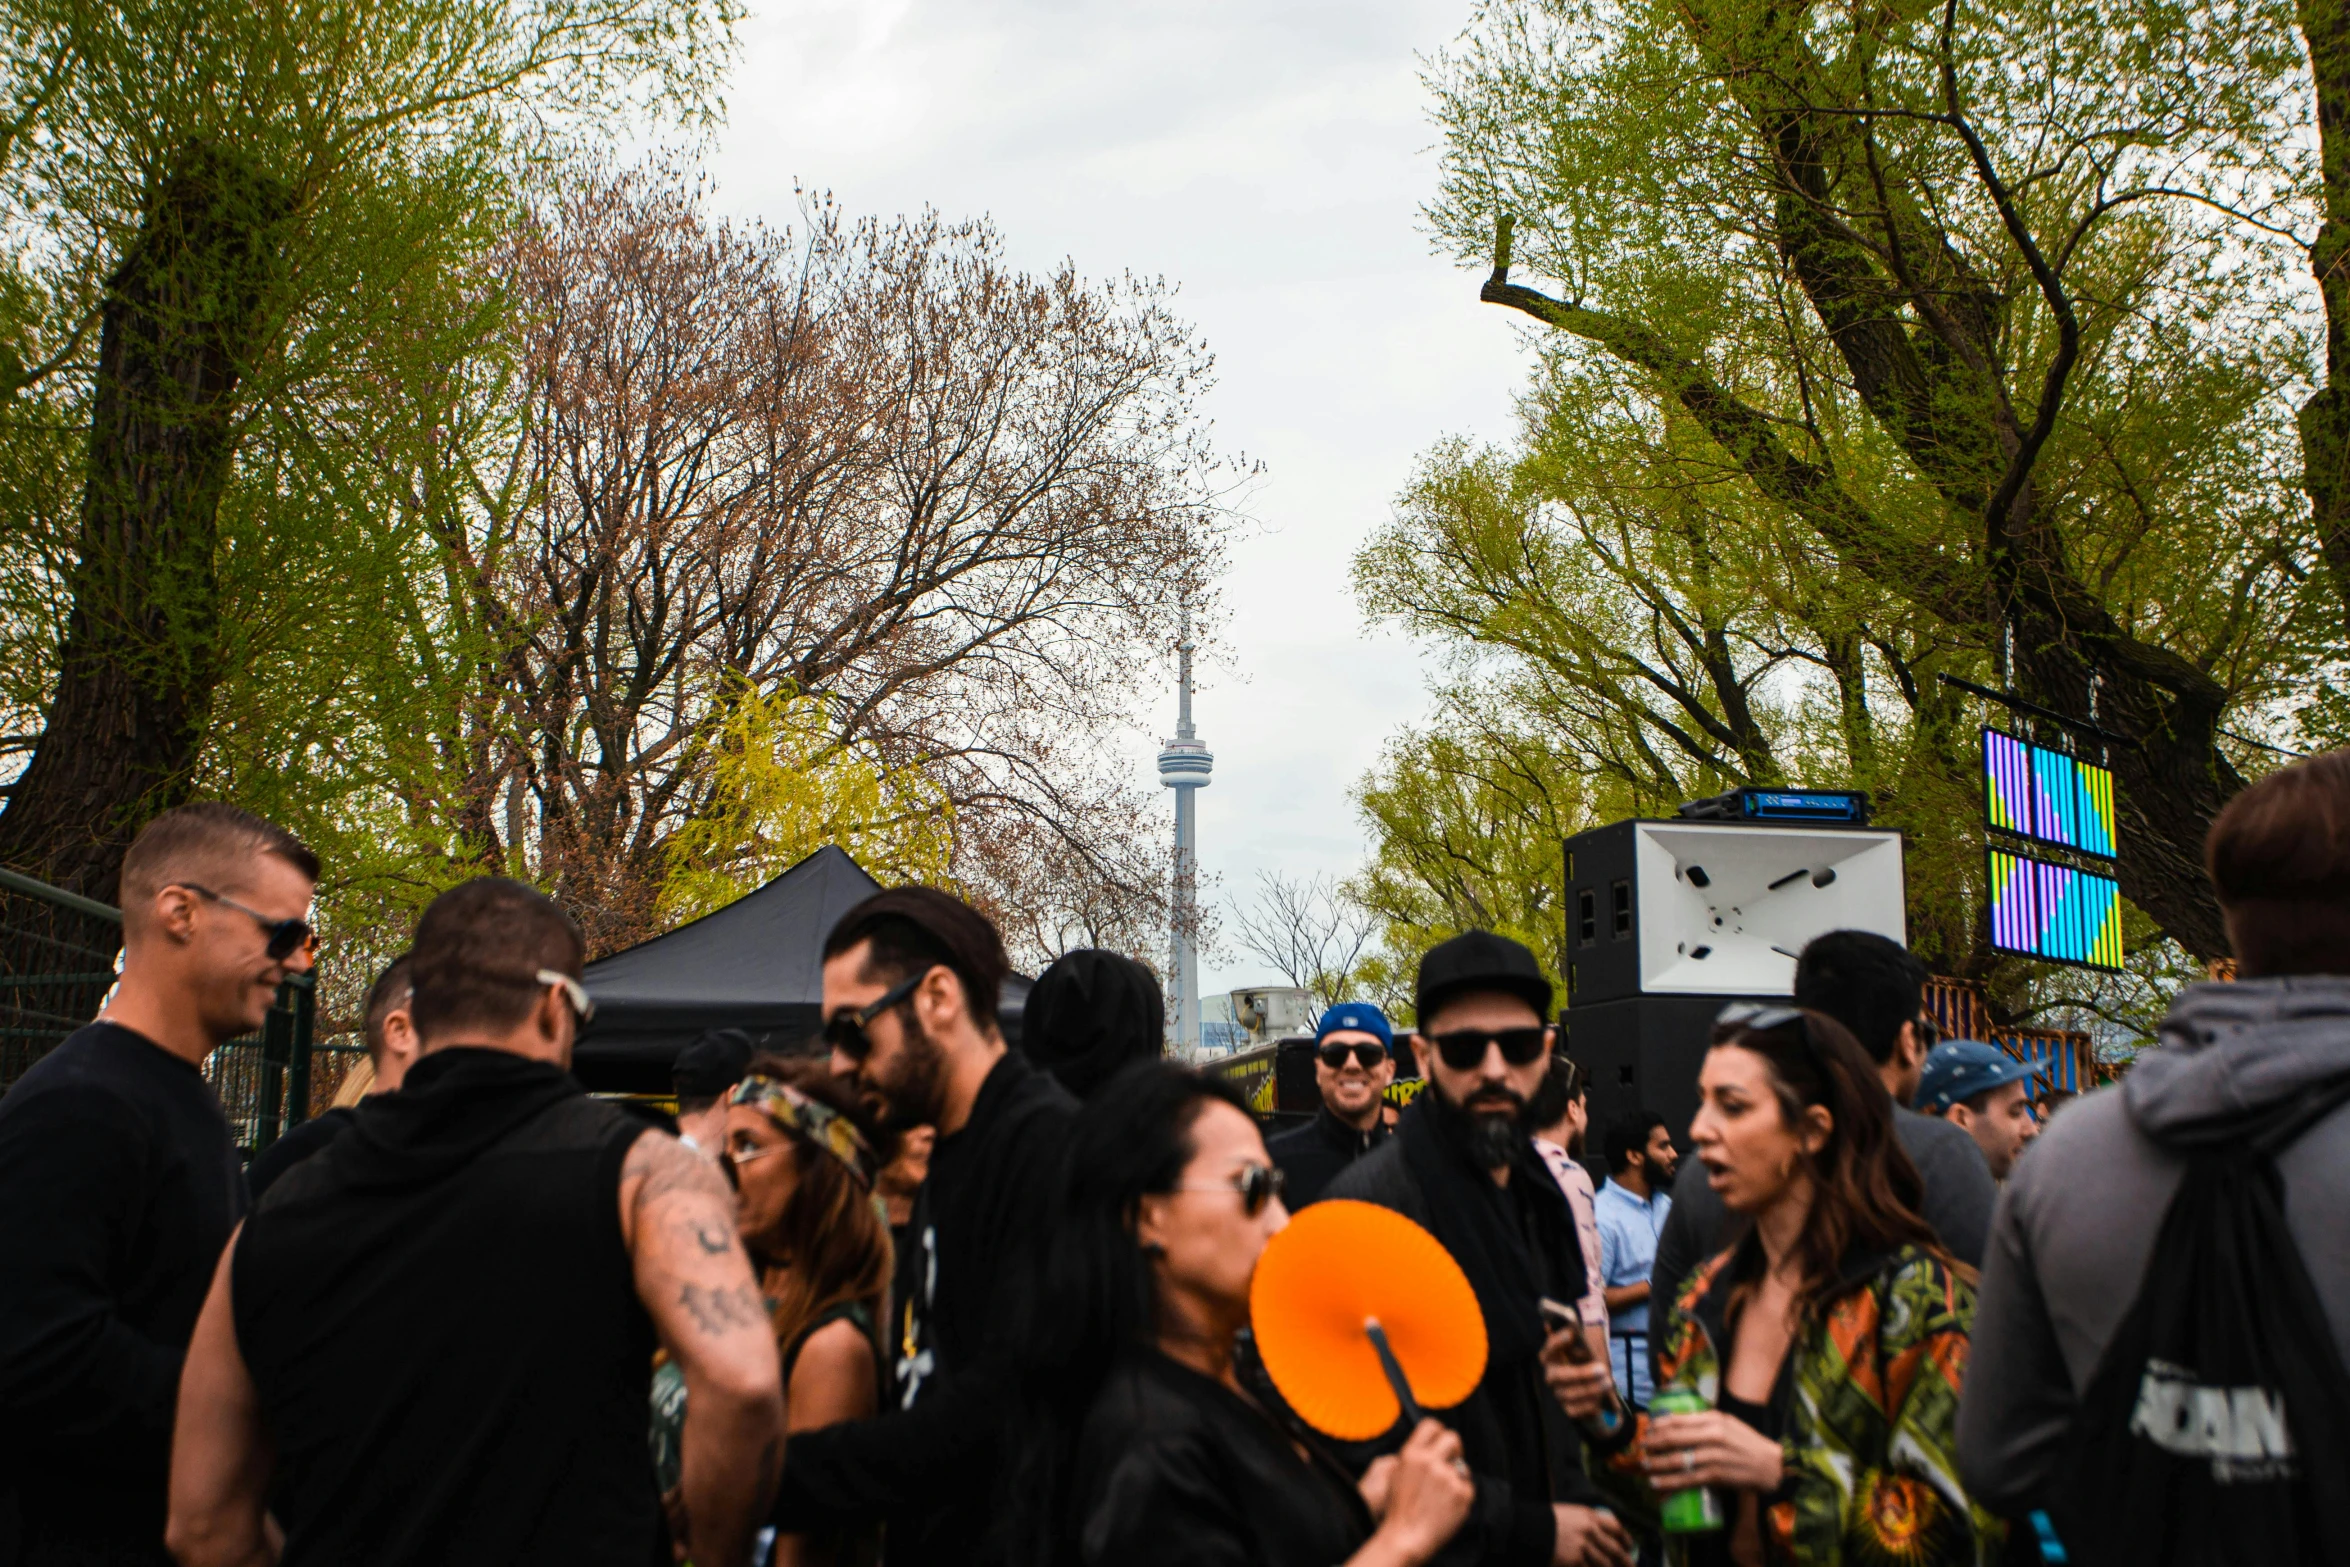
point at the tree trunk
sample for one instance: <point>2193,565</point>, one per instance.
<point>184,315</point>
<point>2325,418</point>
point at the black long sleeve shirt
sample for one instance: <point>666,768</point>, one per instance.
<point>1311,1156</point>
<point>119,1185</point>
<point>927,1469</point>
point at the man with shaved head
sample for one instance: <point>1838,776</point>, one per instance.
<point>119,1183</point>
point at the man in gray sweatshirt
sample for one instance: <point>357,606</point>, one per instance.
<point>2076,1226</point>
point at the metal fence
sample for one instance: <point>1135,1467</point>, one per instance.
<point>59,958</point>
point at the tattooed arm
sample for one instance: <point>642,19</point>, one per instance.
<point>678,1219</point>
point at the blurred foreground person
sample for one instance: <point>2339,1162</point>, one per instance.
<point>911,977</point>
<point>804,1170</point>
<point>1985,1093</point>
<point>390,1032</point>
<point>119,1183</point>
<point>510,1251</point>
<point>1463,1166</point>
<point>1090,1013</point>
<point>1829,1341</point>
<point>1145,1450</point>
<point>1354,1061</point>
<point>2166,1304</point>
<point>1876,988</point>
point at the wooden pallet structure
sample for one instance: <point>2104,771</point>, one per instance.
<point>2065,1058</point>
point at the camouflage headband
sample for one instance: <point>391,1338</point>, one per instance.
<point>807,1118</point>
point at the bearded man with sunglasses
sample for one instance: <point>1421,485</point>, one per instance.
<point>120,1182</point>
<point>911,979</point>
<point>1463,1165</point>
<point>1353,1064</point>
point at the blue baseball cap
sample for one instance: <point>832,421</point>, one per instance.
<point>1959,1069</point>
<point>1358,1017</point>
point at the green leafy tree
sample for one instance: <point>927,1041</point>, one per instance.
<point>241,236</point>
<point>1982,312</point>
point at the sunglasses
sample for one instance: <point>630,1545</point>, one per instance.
<point>1752,1017</point>
<point>845,1031</point>
<point>1464,1048</point>
<point>583,1005</point>
<point>286,937</point>
<point>1258,1184</point>
<point>1367,1055</point>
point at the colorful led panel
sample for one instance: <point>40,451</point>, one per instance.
<point>2039,793</point>
<point>2055,912</point>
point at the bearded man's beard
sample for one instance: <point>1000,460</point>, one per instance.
<point>915,1089</point>
<point>1496,1125</point>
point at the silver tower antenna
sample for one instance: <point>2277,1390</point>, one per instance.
<point>1184,766</point>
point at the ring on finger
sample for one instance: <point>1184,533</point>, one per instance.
<point>1688,1460</point>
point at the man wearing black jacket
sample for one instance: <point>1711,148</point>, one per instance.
<point>1463,1166</point>
<point>911,978</point>
<point>119,1184</point>
<point>1353,1064</point>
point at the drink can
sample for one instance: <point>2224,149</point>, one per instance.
<point>1696,1510</point>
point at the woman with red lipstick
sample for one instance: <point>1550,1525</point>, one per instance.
<point>1830,1340</point>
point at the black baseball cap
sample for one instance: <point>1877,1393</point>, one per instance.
<point>1478,960</point>
<point>712,1064</point>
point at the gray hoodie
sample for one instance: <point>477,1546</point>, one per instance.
<point>2076,1226</point>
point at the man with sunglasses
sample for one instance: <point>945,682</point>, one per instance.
<point>509,1252</point>
<point>119,1182</point>
<point>1353,1064</point>
<point>911,980</point>
<point>1463,1165</point>
<point>1877,988</point>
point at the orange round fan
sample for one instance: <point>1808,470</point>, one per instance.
<point>1361,1315</point>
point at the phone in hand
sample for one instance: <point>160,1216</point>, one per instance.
<point>1559,1319</point>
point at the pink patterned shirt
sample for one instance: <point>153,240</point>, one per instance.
<point>1575,1181</point>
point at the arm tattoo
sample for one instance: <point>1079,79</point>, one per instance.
<point>721,1311</point>
<point>664,1167</point>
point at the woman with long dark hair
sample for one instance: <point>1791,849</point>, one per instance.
<point>798,1147</point>
<point>1141,1446</point>
<point>1829,1341</point>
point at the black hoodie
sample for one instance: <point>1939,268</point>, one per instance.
<point>1517,1244</point>
<point>440,1316</point>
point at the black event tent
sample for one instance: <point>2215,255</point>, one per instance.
<point>753,965</point>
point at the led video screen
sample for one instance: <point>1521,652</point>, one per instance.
<point>2039,793</point>
<point>2055,912</point>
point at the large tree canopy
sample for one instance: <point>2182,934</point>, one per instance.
<point>238,234</point>
<point>1884,344</point>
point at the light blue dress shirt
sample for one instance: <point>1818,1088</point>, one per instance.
<point>1628,1228</point>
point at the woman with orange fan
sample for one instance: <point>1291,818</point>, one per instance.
<point>1818,1359</point>
<point>1140,1447</point>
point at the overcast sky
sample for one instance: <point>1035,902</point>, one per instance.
<point>1269,156</point>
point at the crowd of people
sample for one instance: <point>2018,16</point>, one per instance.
<point>912,1295</point>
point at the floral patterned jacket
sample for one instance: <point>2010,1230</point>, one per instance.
<point>1868,1410</point>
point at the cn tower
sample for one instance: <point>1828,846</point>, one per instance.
<point>1184,765</point>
